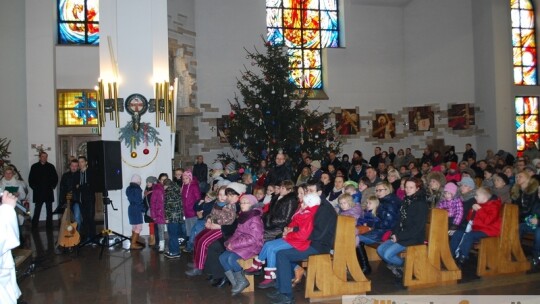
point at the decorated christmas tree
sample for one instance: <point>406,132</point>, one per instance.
<point>272,114</point>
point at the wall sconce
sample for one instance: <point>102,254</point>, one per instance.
<point>112,104</point>
<point>164,104</point>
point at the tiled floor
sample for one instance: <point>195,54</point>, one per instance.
<point>146,276</point>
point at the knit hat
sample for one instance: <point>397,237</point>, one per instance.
<point>217,166</point>
<point>350,182</point>
<point>151,179</point>
<point>453,166</point>
<point>467,181</point>
<point>237,187</point>
<point>469,171</point>
<point>230,166</point>
<point>316,164</point>
<point>535,161</point>
<point>505,178</point>
<point>312,199</point>
<point>450,188</point>
<point>136,178</point>
<point>212,194</point>
<point>251,199</point>
<point>188,174</point>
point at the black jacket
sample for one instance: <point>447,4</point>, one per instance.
<point>43,179</point>
<point>68,183</point>
<point>281,212</point>
<point>200,171</point>
<point>278,174</point>
<point>388,212</point>
<point>324,229</point>
<point>411,229</point>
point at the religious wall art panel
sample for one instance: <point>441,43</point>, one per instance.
<point>384,126</point>
<point>347,122</point>
<point>421,119</point>
<point>223,128</point>
<point>461,116</point>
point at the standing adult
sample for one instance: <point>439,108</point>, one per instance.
<point>42,179</point>
<point>200,171</point>
<point>279,173</point>
<point>87,199</point>
<point>469,153</point>
<point>374,160</point>
<point>68,185</point>
<point>9,232</point>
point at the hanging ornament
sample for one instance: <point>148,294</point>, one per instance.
<point>260,121</point>
<point>268,112</point>
<point>301,128</point>
<point>316,136</point>
<point>256,106</point>
<point>285,94</point>
<point>245,136</point>
<point>301,141</point>
<point>231,115</point>
<point>273,91</point>
<point>323,132</point>
<point>146,151</point>
<point>273,140</point>
<point>133,154</point>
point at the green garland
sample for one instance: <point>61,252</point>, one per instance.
<point>132,138</point>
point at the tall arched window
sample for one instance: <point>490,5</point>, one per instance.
<point>305,27</point>
<point>524,42</point>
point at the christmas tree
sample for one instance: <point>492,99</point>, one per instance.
<point>272,114</point>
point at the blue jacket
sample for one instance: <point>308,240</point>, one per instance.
<point>134,194</point>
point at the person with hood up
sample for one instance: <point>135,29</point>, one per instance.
<point>134,195</point>
<point>191,195</point>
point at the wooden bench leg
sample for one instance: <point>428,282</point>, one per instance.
<point>246,264</point>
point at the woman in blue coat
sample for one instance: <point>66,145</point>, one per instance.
<point>134,194</point>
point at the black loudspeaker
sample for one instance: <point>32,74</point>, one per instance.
<point>105,165</point>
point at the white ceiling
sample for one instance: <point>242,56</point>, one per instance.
<point>399,3</point>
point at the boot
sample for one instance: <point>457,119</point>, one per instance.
<point>241,283</point>
<point>255,267</point>
<point>134,238</point>
<point>230,276</point>
<point>269,278</point>
<point>161,246</point>
<point>363,259</point>
<point>152,240</point>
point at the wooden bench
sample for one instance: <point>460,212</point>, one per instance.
<point>431,264</point>
<point>503,254</point>
<point>246,264</point>
<point>327,276</point>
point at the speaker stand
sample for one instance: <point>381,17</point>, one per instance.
<point>102,239</point>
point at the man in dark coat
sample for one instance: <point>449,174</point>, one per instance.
<point>322,241</point>
<point>87,199</point>
<point>279,173</point>
<point>200,171</point>
<point>42,179</point>
<point>68,185</point>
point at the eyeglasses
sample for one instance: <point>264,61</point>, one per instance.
<point>380,190</point>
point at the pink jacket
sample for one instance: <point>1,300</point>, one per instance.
<point>247,240</point>
<point>190,196</point>
<point>157,204</point>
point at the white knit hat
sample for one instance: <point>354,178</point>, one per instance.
<point>238,187</point>
<point>136,178</point>
<point>312,199</point>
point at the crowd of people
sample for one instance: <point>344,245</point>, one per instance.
<point>279,215</point>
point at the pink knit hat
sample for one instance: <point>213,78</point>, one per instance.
<point>450,188</point>
<point>188,174</point>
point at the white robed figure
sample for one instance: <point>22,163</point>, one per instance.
<point>9,239</point>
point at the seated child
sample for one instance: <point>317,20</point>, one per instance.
<point>351,188</point>
<point>203,209</point>
<point>270,190</point>
<point>259,194</point>
<point>453,204</point>
<point>484,221</point>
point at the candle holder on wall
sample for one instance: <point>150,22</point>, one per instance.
<point>164,104</point>
<point>108,103</point>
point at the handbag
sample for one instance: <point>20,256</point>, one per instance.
<point>363,229</point>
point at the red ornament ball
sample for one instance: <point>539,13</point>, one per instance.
<point>133,154</point>
<point>231,115</point>
<point>146,151</point>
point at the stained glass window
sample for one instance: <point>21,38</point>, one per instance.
<point>78,22</point>
<point>305,27</point>
<point>526,121</point>
<point>77,108</point>
<point>524,42</point>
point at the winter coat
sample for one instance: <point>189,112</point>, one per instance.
<point>280,214</point>
<point>302,227</point>
<point>68,184</point>
<point>468,200</point>
<point>190,196</point>
<point>42,179</point>
<point>411,229</point>
<point>503,193</point>
<point>136,206</point>
<point>388,213</point>
<point>157,204</point>
<point>278,174</point>
<point>324,229</point>
<point>223,215</point>
<point>369,219</point>
<point>174,212</point>
<point>333,196</point>
<point>205,207</point>
<point>454,208</point>
<point>247,240</point>
<point>526,200</point>
<point>488,218</point>
<point>355,212</point>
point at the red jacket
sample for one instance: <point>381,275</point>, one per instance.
<point>302,224</point>
<point>488,218</point>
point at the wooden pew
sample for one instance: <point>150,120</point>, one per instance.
<point>431,264</point>
<point>246,264</point>
<point>503,254</point>
<point>327,277</point>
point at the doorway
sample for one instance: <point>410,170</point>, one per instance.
<point>73,146</point>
